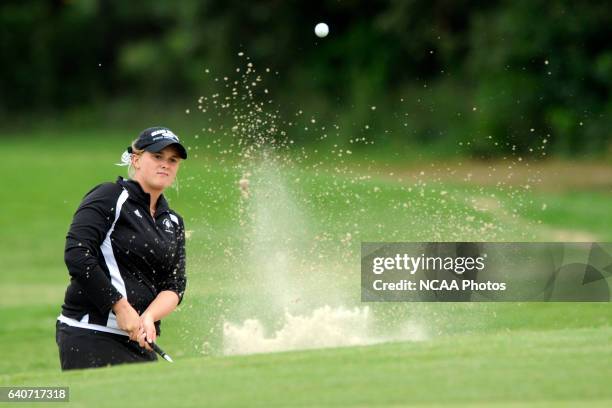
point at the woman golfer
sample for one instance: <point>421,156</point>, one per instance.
<point>125,252</point>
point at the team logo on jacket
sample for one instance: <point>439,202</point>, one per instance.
<point>167,225</point>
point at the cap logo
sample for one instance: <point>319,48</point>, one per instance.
<point>164,134</point>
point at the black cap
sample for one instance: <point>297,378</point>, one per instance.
<point>157,138</point>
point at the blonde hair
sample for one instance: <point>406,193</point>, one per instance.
<point>135,152</point>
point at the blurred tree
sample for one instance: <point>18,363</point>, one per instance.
<point>497,75</point>
<point>542,71</point>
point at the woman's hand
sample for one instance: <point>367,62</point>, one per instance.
<point>164,303</point>
<point>128,319</point>
<point>149,335</point>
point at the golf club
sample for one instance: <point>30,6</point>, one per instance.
<point>161,352</point>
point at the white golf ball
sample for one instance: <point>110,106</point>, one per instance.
<point>321,30</point>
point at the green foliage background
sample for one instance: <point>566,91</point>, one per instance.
<point>440,72</point>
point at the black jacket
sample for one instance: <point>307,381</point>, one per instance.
<point>115,248</point>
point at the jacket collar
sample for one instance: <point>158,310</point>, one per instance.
<point>138,194</point>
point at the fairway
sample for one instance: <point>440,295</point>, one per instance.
<point>533,368</point>
<point>309,220</point>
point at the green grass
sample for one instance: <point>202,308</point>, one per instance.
<point>477,354</point>
<point>530,367</point>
